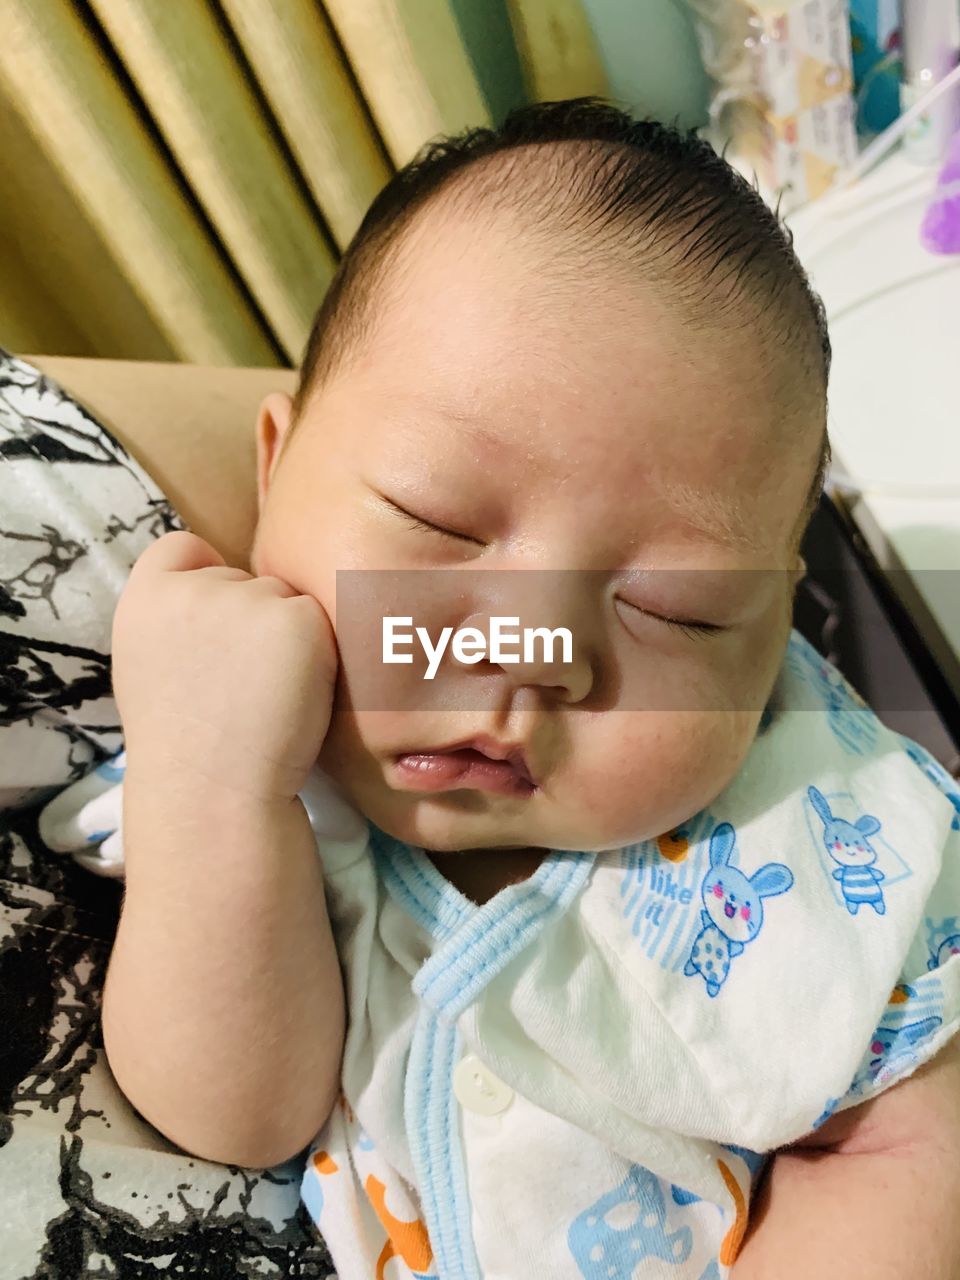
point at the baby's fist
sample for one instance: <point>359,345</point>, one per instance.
<point>219,674</point>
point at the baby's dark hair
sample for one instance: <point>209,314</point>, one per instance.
<point>693,225</point>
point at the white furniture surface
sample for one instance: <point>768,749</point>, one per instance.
<point>894,312</point>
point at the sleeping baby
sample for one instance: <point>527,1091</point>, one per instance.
<point>613,949</point>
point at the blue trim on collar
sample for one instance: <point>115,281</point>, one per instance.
<point>432,1121</point>
<point>475,943</point>
<point>456,974</point>
<point>413,881</point>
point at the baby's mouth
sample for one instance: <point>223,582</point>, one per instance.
<point>481,764</point>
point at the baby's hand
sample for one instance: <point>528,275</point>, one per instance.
<point>220,675</point>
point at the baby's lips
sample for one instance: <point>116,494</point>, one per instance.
<point>463,767</point>
<point>515,754</point>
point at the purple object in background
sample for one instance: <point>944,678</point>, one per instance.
<point>940,232</point>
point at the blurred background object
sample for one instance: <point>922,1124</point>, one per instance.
<point>876,37</point>
<point>808,96</point>
<point>931,41</point>
<point>180,176</point>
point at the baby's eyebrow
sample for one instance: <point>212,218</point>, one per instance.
<point>474,424</point>
<point>725,522</point>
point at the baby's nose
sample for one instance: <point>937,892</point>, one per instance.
<point>535,653</point>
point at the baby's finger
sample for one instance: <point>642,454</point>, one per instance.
<point>179,552</point>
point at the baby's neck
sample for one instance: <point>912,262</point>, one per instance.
<point>481,873</point>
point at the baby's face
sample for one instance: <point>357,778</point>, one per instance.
<point>572,454</point>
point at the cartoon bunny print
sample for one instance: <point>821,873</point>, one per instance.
<point>893,1047</point>
<point>847,844</point>
<point>733,909</point>
<point>944,941</point>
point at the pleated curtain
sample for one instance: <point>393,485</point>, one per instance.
<point>179,177</point>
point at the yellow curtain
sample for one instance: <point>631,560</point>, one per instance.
<point>180,176</point>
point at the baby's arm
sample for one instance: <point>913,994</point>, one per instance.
<point>223,1006</point>
<point>874,1194</point>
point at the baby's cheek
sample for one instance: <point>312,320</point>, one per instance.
<point>701,752</point>
<point>643,772</point>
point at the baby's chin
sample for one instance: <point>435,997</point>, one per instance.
<point>459,820</point>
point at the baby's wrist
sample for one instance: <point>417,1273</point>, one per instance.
<point>176,821</point>
<point>205,764</point>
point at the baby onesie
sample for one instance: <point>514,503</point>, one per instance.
<point>584,1076</point>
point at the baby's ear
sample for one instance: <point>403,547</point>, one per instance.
<point>273,423</point>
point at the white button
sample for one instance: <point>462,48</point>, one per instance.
<point>478,1089</point>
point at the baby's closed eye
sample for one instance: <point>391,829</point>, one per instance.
<point>426,525</point>
<point>689,626</point>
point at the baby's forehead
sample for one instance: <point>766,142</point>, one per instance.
<point>579,357</point>
<point>504,323</point>
<point>472,311</point>
<point>542,227</point>
<point>555,275</point>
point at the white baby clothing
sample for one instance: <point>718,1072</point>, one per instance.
<point>583,1076</point>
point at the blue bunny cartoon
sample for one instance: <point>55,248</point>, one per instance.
<point>949,947</point>
<point>733,909</point>
<point>944,941</point>
<point>893,1046</point>
<point>848,845</point>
